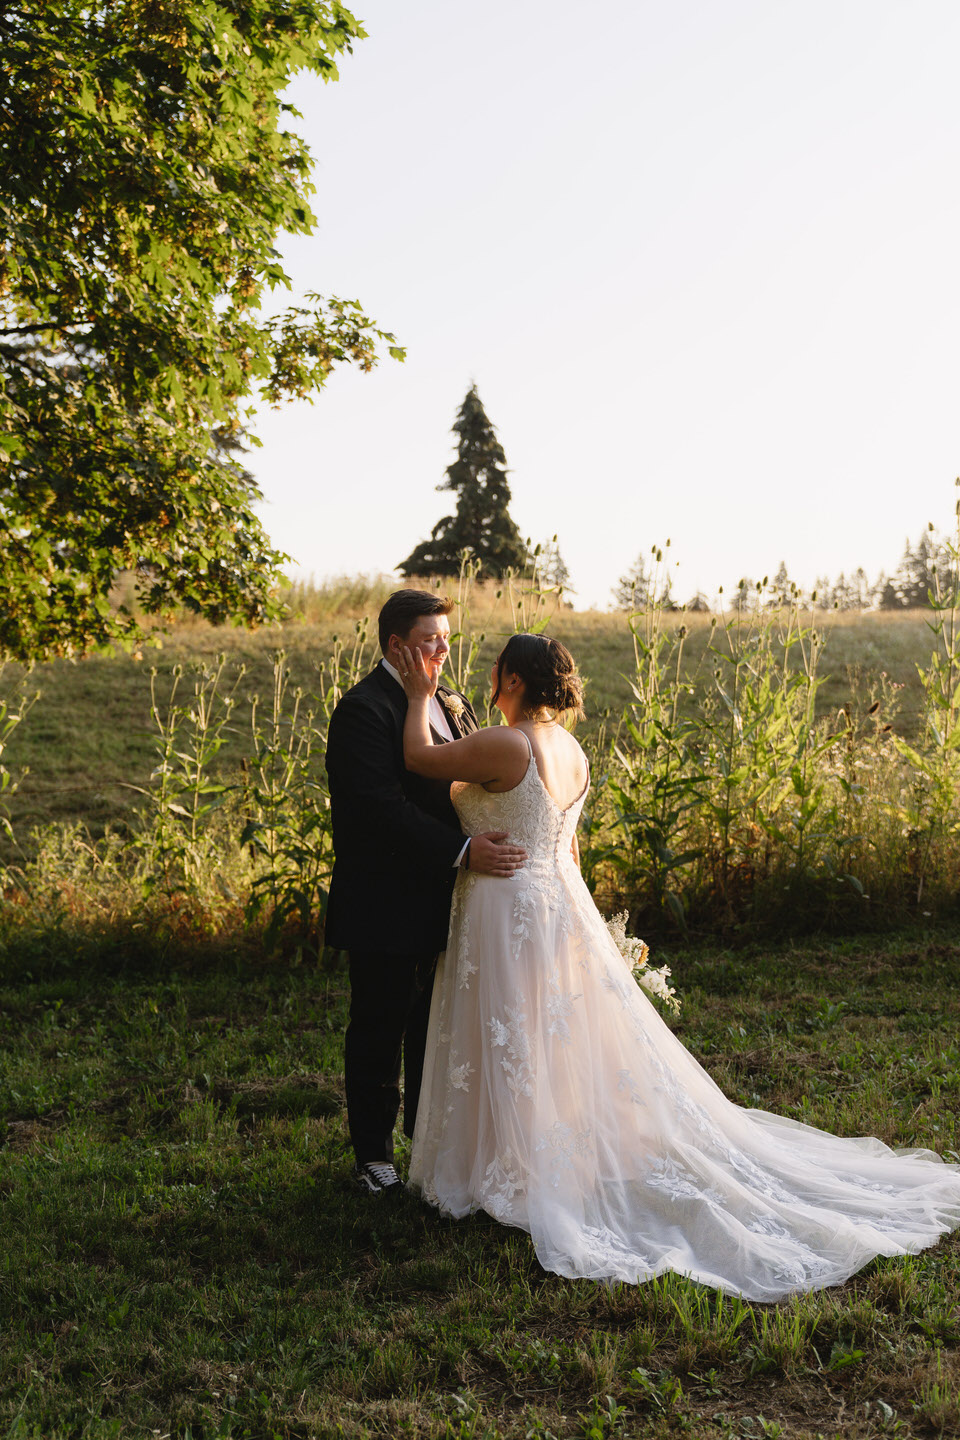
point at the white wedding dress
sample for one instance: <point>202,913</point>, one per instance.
<point>556,1099</point>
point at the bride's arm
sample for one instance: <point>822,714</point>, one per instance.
<point>487,755</point>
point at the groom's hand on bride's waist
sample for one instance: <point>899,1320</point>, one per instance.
<point>493,854</point>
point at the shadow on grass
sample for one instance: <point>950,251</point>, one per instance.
<point>184,1250</point>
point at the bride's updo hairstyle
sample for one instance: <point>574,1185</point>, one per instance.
<point>548,672</point>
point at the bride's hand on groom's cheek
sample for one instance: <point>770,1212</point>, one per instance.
<point>417,677</point>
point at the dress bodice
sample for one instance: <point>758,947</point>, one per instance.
<point>528,813</point>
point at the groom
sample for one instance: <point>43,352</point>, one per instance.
<point>398,845</point>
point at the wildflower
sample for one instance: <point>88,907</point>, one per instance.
<point>636,953</point>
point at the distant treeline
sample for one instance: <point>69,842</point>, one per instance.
<point>925,569</point>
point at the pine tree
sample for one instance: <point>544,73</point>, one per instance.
<point>885,594</point>
<point>745,594</point>
<point>482,523</point>
<point>781,581</point>
<point>844,593</point>
<point>552,568</point>
<point>633,591</point>
<point>912,578</point>
<point>646,585</point>
<point>824,592</point>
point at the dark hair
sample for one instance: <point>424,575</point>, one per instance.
<point>548,672</point>
<point>403,609</point>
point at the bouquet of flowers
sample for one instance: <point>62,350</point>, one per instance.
<point>636,953</point>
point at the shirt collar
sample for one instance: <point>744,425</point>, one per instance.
<point>395,674</point>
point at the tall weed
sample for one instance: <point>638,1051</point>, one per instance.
<point>721,796</point>
<point>14,707</point>
<point>285,799</point>
<point>175,839</point>
<point>928,808</point>
<point>731,801</point>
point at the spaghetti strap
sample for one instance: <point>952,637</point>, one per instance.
<point>529,744</point>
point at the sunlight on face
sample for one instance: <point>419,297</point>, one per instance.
<point>431,634</point>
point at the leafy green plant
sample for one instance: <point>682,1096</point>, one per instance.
<point>465,642</point>
<point>174,837</point>
<point>130,303</point>
<point>930,808</point>
<point>13,710</point>
<point>285,797</point>
<point>655,787</point>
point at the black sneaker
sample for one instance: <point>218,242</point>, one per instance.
<point>377,1177</point>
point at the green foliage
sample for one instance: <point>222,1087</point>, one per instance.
<point>735,784</point>
<point>147,173</point>
<point>735,800</point>
<point>285,800</point>
<point>929,809</point>
<point>184,1252</point>
<point>482,524</point>
<point>175,838</point>
<point>13,709</point>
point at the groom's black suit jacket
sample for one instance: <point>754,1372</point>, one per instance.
<point>396,836</point>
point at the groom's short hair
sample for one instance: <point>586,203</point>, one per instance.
<point>404,608</point>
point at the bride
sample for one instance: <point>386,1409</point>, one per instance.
<point>557,1100</point>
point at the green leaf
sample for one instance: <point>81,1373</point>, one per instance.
<point>146,222</point>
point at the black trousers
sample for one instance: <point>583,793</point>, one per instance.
<point>389,1011</point>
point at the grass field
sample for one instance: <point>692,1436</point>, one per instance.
<point>183,1254</point>
<point>87,741</point>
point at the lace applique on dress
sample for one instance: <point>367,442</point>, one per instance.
<point>465,966</point>
<point>566,1144</point>
<point>459,1076</point>
<point>625,1081</point>
<point>669,1175</point>
<point>500,1187</point>
<point>510,1035</point>
<point>559,1008</point>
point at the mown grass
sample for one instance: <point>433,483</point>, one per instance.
<point>87,743</point>
<point>183,1253</point>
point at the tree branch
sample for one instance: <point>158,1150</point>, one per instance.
<point>44,325</point>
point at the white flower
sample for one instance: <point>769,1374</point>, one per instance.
<point>459,1076</point>
<point>454,704</point>
<point>655,983</point>
<point>633,950</point>
<point>636,953</point>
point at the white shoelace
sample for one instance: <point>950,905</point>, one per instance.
<point>383,1172</point>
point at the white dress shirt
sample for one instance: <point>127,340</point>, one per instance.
<point>435,711</point>
<point>438,721</point>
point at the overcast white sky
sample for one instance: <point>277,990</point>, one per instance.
<point>699,256</point>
